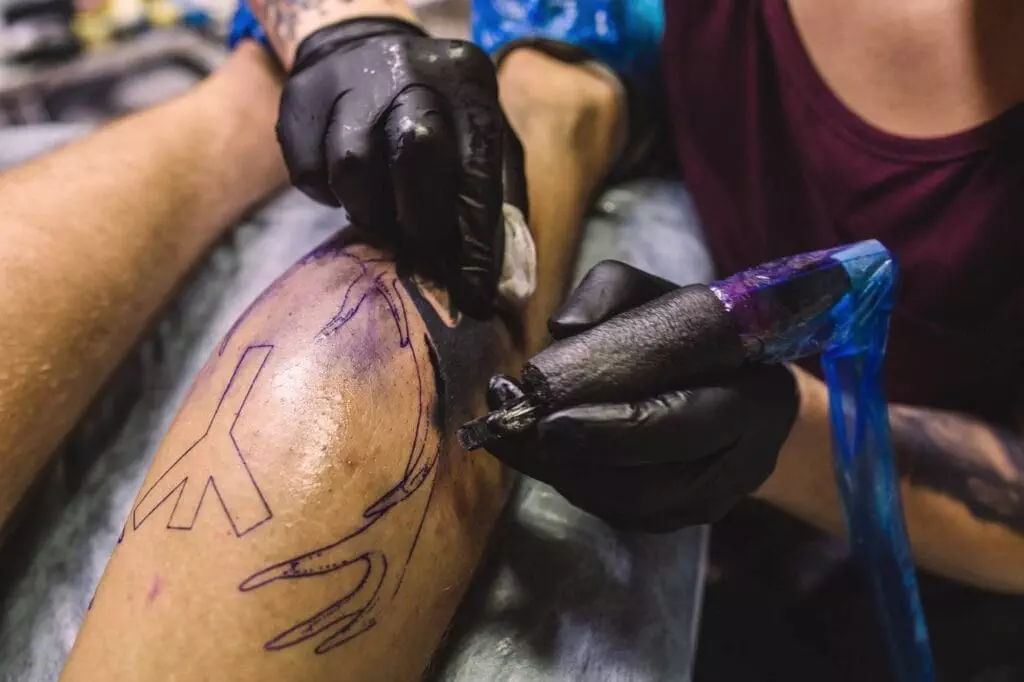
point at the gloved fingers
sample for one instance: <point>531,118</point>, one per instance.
<point>771,393</point>
<point>770,390</point>
<point>502,391</point>
<point>481,130</point>
<point>424,162</point>
<point>519,452</point>
<point>609,288</point>
<point>302,124</point>
<point>672,521</point>
<point>652,498</point>
<point>658,497</point>
<point>677,426</point>
<point>357,172</point>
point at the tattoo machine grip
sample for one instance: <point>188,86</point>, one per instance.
<point>687,329</point>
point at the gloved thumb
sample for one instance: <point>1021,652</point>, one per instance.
<point>609,288</point>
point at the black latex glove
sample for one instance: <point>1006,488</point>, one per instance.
<point>681,458</point>
<point>405,132</point>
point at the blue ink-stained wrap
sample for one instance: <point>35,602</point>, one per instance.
<point>838,302</point>
<point>244,24</point>
<point>624,34</point>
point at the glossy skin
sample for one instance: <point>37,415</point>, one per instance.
<point>342,522</point>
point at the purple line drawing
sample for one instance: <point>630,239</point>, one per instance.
<point>355,559</point>
<point>214,462</point>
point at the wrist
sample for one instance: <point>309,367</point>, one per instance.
<point>329,38</point>
<point>287,25</point>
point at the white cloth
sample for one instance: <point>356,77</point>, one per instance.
<point>518,278</point>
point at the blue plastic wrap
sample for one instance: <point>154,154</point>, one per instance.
<point>244,24</point>
<point>624,34</point>
<point>838,302</point>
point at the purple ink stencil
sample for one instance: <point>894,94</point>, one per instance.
<point>358,610</point>
<point>154,590</point>
<point>214,457</point>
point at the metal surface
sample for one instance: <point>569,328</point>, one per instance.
<point>509,420</point>
<point>108,83</point>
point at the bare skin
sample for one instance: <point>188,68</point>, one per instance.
<point>310,510</point>
<point>287,23</point>
<point>925,68</point>
<point>90,252</point>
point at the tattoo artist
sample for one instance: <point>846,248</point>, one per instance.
<point>405,131</point>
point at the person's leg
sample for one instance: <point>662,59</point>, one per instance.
<point>95,237</point>
<point>310,510</point>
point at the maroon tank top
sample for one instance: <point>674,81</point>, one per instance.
<point>778,165</point>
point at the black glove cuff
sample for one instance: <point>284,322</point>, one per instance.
<point>330,38</point>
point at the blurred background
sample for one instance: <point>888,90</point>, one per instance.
<point>86,61</point>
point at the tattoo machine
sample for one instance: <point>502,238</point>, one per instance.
<point>836,303</point>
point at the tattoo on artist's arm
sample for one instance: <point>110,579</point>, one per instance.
<point>976,463</point>
<point>283,17</point>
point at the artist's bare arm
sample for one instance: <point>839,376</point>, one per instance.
<point>962,485</point>
<point>288,22</point>
<point>96,235</point>
<point>309,515</point>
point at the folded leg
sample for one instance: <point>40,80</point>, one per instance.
<point>310,513</point>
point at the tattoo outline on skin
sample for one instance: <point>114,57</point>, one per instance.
<point>356,612</point>
<point>195,472</point>
<point>282,16</point>
<point>379,577</point>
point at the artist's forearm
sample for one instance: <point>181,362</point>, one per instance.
<point>960,479</point>
<point>963,458</point>
<point>97,235</point>
<point>287,22</point>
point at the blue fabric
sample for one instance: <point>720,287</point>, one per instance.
<point>244,24</point>
<point>624,34</point>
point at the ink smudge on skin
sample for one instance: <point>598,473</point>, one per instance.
<point>441,392</point>
<point>154,590</point>
<point>462,353</point>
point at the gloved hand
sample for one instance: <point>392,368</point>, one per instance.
<point>662,462</point>
<point>405,132</point>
